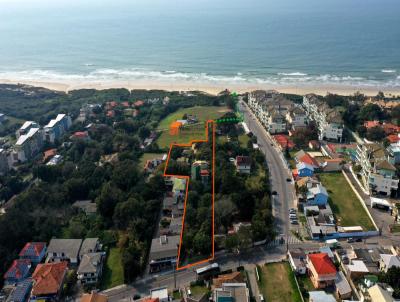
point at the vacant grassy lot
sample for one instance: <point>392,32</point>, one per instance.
<point>277,283</point>
<point>344,202</point>
<point>113,273</point>
<point>203,113</point>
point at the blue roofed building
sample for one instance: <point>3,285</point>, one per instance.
<point>304,170</point>
<point>18,271</point>
<point>317,196</point>
<point>21,292</point>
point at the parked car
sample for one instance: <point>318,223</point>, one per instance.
<point>294,221</point>
<point>288,180</point>
<point>292,211</point>
<point>350,240</point>
<point>274,193</point>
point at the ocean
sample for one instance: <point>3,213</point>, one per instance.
<point>285,42</point>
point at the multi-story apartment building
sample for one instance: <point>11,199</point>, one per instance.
<point>57,127</point>
<point>377,171</point>
<point>4,161</point>
<point>296,117</point>
<point>28,145</point>
<point>271,109</point>
<point>28,125</point>
<point>329,121</point>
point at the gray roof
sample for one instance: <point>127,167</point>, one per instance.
<point>164,246</point>
<point>89,245</point>
<point>342,286</point>
<point>90,263</point>
<point>70,247</point>
<point>87,206</point>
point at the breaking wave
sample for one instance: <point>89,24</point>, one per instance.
<point>110,75</point>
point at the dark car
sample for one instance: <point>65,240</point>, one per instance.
<point>274,193</point>
<point>359,239</point>
<point>288,180</point>
<point>351,240</point>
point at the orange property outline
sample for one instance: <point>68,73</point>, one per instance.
<point>187,191</point>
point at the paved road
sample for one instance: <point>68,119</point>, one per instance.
<point>278,170</point>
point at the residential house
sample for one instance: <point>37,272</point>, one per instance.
<point>87,206</point>
<point>48,154</point>
<point>387,261</point>
<point>243,164</point>
<point>64,250</point>
<point>18,271</point>
<point>94,297</point>
<point>314,145</point>
<point>200,171</point>
<point>342,287</point>
<point>304,170</point>
<point>33,251</point>
<point>80,135</point>
<point>28,145</point>
<point>57,127</point>
<point>305,157</point>
<point>90,268</point>
<point>55,160</point>
<point>328,120</point>
<point>296,117</point>
<point>152,164</point>
<point>21,292</point>
<point>377,172</point>
<point>321,269</point>
<point>231,292</point>
<point>317,195</point>
<point>88,111</point>
<point>379,294</point>
<point>394,152</point>
<point>297,259</point>
<point>284,142</point>
<point>48,280</point>
<point>320,296</point>
<point>4,161</point>
<point>235,277</point>
<point>163,252</point>
<point>89,245</point>
<point>178,188</point>
<point>331,165</point>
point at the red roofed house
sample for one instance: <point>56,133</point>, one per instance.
<point>321,270</point>
<point>49,154</point>
<point>33,251</point>
<point>284,142</point>
<point>243,164</point>
<point>371,124</point>
<point>18,271</point>
<point>125,104</point>
<point>138,103</point>
<point>48,281</point>
<point>110,113</point>
<point>389,128</point>
<point>308,159</point>
<point>80,135</point>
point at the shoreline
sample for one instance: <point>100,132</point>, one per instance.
<point>207,87</point>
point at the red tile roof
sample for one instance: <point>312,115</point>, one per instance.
<point>125,104</point>
<point>138,103</point>
<point>389,128</point>
<point>48,278</point>
<point>49,153</point>
<point>33,249</point>
<point>371,124</point>
<point>308,159</point>
<point>80,134</point>
<point>284,141</point>
<point>243,160</point>
<point>322,264</point>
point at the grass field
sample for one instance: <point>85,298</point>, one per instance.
<point>202,113</point>
<point>190,132</point>
<point>344,202</point>
<point>277,283</point>
<point>113,274</point>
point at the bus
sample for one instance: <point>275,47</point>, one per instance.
<point>207,272</point>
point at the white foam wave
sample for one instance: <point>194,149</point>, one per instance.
<point>388,70</point>
<point>110,75</point>
<point>295,74</point>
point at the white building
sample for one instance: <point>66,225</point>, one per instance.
<point>377,172</point>
<point>28,145</point>
<point>271,108</point>
<point>297,117</point>
<point>28,125</point>
<point>329,121</point>
<point>57,127</point>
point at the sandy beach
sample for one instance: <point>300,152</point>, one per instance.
<point>206,87</point>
